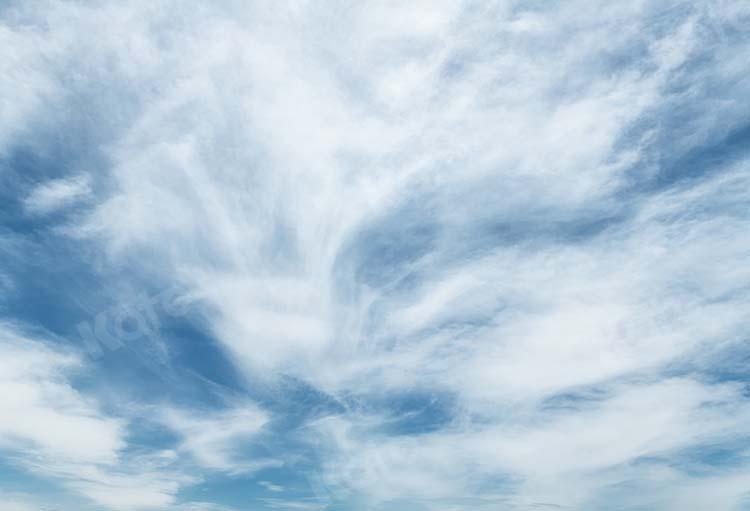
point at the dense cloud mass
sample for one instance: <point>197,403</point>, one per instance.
<point>405,256</point>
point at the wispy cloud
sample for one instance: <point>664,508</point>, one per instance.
<point>271,486</point>
<point>215,439</point>
<point>55,431</point>
<point>37,394</point>
<point>441,254</point>
<point>56,194</point>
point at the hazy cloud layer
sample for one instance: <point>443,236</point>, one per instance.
<point>427,255</point>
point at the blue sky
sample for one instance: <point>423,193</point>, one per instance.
<point>404,256</point>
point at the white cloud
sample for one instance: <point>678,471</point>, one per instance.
<point>55,431</point>
<point>17,502</point>
<point>555,455</point>
<point>131,491</point>
<point>293,504</point>
<point>37,394</point>
<point>214,439</point>
<point>56,194</point>
<point>271,486</point>
<point>383,199</point>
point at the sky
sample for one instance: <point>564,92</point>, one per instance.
<point>374,255</point>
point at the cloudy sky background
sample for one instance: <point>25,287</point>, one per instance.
<point>404,256</point>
